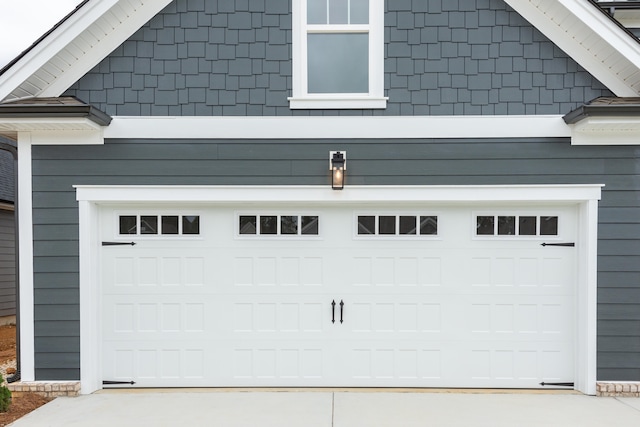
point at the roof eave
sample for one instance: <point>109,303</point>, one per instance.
<point>53,108</point>
<point>8,111</point>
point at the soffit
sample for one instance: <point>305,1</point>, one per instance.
<point>74,46</point>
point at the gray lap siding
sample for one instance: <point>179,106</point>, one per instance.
<point>7,264</point>
<point>304,162</point>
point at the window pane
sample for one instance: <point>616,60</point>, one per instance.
<point>484,226</point>
<point>506,225</point>
<point>310,225</point>
<point>549,226</point>
<point>387,225</point>
<point>316,11</point>
<point>288,225</point>
<point>338,63</point>
<point>128,224</point>
<point>170,224</point>
<point>148,225</point>
<point>359,12</point>
<point>407,225</point>
<point>366,225</point>
<point>527,225</point>
<point>248,225</point>
<point>429,225</point>
<point>338,12</point>
<point>268,225</point>
<point>191,224</point>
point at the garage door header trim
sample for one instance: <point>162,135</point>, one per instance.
<point>352,194</point>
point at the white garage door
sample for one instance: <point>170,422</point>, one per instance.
<point>397,296</point>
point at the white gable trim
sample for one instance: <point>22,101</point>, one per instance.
<point>590,37</point>
<point>75,47</point>
<point>338,127</point>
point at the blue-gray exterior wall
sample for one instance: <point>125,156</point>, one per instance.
<point>7,176</point>
<point>371,162</point>
<point>442,57</point>
<point>7,234</point>
<point>7,264</point>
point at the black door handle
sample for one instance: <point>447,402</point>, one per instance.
<point>333,311</point>
<point>341,309</point>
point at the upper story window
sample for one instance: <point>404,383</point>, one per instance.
<point>338,54</point>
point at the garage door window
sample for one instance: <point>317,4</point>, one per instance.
<point>397,225</point>
<point>516,225</point>
<point>159,225</point>
<point>278,225</point>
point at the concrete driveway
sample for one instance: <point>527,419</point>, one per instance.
<point>333,409</point>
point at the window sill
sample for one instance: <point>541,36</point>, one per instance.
<point>319,103</point>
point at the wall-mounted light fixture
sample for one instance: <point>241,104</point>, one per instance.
<point>338,166</point>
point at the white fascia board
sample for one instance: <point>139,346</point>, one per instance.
<point>67,137</point>
<point>606,131</point>
<point>541,126</point>
<point>596,24</point>
<point>80,21</point>
<point>351,194</point>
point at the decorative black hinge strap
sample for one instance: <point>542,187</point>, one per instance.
<point>557,384</point>
<point>559,244</point>
<point>118,382</point>
<point>118,243</point>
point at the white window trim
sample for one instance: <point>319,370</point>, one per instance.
<point>517,237</point>
<point>159,236</point>
<point>278,235</point>
<point>397,236</point>
<point>301,99</point>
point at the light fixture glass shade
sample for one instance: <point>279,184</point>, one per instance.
<point>337,170</point>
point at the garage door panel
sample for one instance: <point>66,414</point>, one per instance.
<point>262,362</point>
<point>295,270</point>
<point>150,365</point>
<point>156,270</point>
<point>451,310</point>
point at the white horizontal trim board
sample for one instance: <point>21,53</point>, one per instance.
<point>351,194</point>
<point>338,127</point>
<point>90,198</point>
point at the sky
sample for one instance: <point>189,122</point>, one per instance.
<point>22,22</point>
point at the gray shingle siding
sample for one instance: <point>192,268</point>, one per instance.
<point>442,57</point>
<point>298,162</point>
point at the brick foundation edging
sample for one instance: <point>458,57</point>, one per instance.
<point>47,389</point>
<point>618,389</point>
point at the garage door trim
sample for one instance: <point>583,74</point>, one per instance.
<point>91,197</point>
